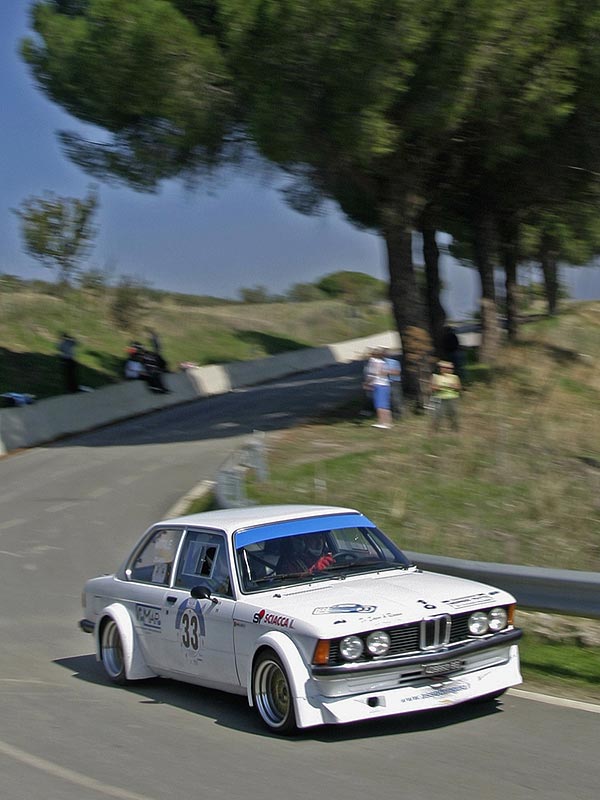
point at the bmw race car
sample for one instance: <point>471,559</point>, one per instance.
<point>310,611</point>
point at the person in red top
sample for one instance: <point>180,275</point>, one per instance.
<point>304,555</point>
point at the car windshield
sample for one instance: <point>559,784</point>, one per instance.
<point>313,554</point>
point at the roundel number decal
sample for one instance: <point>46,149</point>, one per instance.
<point>190,629</point>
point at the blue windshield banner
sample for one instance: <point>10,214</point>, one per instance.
<point>294,527</point>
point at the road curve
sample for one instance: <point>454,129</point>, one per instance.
<point>73,510</point>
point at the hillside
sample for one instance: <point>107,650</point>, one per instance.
<point>520,482</point>
<point>203,333</point>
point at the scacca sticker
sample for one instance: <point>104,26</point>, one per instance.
<point>266,618</point>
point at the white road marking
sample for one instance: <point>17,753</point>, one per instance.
<point>11,523</point>
<point>60,507</point>
<point>68,774</point>
<point>99,492</point>
<point>128,479</point>
<point>15,555</point>
<point>580,705</point>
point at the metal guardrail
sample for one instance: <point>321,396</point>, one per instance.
<point>561,591</point>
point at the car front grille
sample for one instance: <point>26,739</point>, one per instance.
<point>427,635</point>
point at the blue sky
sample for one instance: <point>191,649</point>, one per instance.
<point>241,234</point>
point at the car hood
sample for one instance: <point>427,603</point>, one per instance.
<point>332,608</point>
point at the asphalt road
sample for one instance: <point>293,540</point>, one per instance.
<point>73,510</point>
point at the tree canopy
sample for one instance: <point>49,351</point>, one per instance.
<point>481,118</point>
<point>58,231</point>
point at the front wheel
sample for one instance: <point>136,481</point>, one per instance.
<point>271,694</point>
<point>111,652</point>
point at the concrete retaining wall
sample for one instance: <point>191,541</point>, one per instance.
<point>47,420</point>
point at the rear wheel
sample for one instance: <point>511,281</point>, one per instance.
<point>271,693</point>
<point>111,652</point>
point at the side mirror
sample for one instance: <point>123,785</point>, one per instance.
<point>202,593</point>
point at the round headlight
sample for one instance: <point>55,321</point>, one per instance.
<point>478,623</point>
<point>378,643</point>
<point>351,648</point>
<point>497,619</point>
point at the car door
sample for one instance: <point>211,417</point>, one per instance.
<point>199,632</point>
<point>148,576</point>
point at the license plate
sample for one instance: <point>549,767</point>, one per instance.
<point>442,667</point>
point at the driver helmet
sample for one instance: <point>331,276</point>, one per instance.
<point>315,543</point>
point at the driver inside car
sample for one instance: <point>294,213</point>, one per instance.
<point>304,554</point>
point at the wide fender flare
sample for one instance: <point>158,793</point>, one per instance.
<point>296,670</point>
<point>135,666</point>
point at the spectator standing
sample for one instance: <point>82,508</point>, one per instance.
<point>395,375</point>
<point>66,348</point>
<point>377,378</point>
<point>153,373</point>
<point>134,368</point>
<point>155,343</point>
<point>367,409</point>
<point>452,351</point>
<point>445,388</point>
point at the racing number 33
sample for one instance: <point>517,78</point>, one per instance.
<point>190,629</point>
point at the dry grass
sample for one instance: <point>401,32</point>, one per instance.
<point>520,483</point>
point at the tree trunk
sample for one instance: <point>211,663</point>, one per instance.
<point>490,329</point>
<point>509,248</point>
<point>408,312</point>
<point>435,311</point>
<point>548,259</point>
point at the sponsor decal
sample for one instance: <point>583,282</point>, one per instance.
<point>148,617</point>
<point>437,693</point>
<point>386,616</point>
<point>426,604</point>
<point>263,617</point>
<point>442,667</point>
<point>467,601</point>
<point>345,608</point>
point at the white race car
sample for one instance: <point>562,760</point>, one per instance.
<point>310,611</point>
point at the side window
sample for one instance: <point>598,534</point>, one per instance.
<point>203,562</point>
<point>154,562</point>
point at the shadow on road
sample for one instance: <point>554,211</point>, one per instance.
<point>268,407</point>
<point>232,711</point>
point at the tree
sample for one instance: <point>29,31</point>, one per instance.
<point>129,302</point>
<point>305,293</point>
<point>58,231</point>
<point>355,288</point>
<point>376,104</point>
<point>256,294</point>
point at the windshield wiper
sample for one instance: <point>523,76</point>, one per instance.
<point>285,576</point>
<point>373,565</point>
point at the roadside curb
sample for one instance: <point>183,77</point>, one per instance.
<point>200,490</point>
<point>554,700</point>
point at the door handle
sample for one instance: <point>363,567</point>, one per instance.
<point>171,599</point>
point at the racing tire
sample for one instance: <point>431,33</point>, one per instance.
<point>111,652</point>
<point>272,695</point>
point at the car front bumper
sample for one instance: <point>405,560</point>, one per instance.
<point>398,691</point>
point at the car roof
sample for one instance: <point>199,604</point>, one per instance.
<point>233,519</point>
